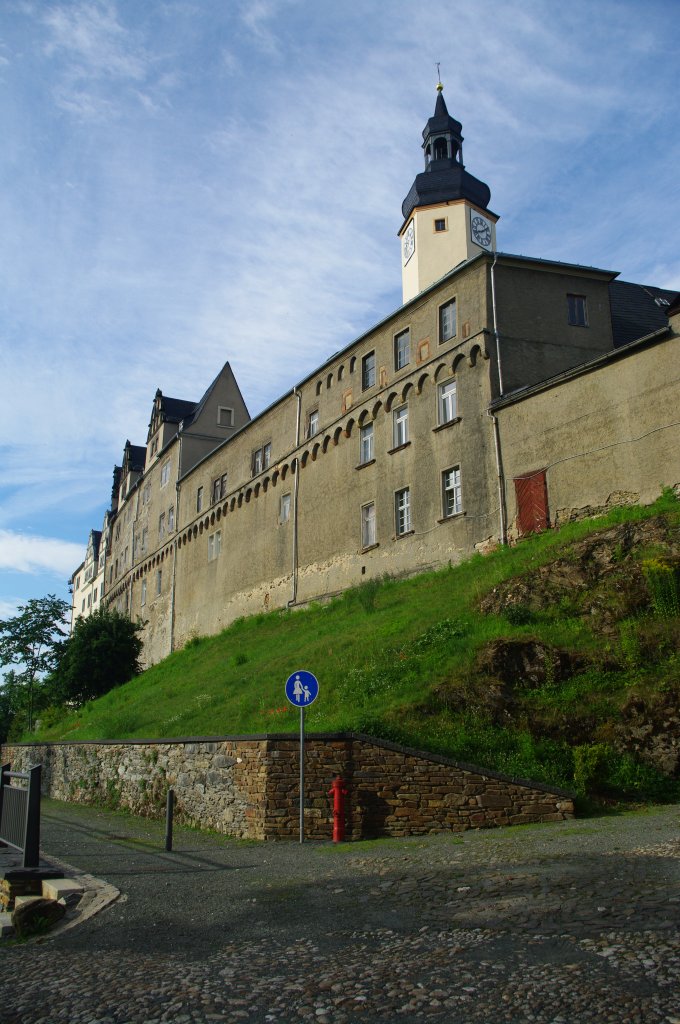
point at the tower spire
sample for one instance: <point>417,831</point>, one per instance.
<point>440,230</point>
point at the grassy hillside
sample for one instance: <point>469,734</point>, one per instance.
<point>531,660</point>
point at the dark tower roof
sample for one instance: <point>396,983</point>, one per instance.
<point>444,178</point>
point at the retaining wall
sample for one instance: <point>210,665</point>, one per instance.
<point>247,786</point>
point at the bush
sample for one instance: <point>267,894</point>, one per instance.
<point>101,653</point>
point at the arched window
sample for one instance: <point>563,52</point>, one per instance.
<point>441,149</point>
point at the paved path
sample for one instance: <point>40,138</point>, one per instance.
<point>566,923</point>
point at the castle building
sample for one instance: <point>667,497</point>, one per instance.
<point>506,395</point>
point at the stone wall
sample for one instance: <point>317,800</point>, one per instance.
<point>248,786</point>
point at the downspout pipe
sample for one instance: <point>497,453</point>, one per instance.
<point>296,485</point>
<point>174,548</point>
<point>494,420</point>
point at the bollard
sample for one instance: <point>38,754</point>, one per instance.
<point>169,806</point>
<point>338,792</point>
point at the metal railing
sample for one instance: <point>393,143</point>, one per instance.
<point>20,812</point>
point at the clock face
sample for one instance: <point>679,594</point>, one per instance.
<point>409,242</point>
<point>480,229</point>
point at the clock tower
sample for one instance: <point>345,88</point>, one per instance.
<point>446,214</point>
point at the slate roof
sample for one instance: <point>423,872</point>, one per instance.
<point>637,310</point>
<point>176,409</point>
<point>445,179</point>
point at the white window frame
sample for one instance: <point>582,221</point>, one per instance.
<point>402,349</point>
<point>368,376</point>
<point>400,426</point>
<point>171,518</point>
<point>447,333</point>
<point>214,545</point>
<point>284,508</point>
<point>447,401</point>
<point>402,511</point>
<point>165,473</point>
<point>143,597</point>
<point>199,500</point>
<point>368,525</point>
<point>452,496</point>
<point>161,526</point>
<point>313,423</point>
<point>366,443</point>
<point>144,540</point>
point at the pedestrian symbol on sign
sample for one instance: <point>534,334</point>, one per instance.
<point>302,688</point>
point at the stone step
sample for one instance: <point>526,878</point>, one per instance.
<point>21,900</point>
<point>6,926</point>
<point>61,888</point>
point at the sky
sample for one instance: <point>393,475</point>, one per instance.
<point>185,182</point>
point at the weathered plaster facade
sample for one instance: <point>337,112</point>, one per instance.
<point>404,450</point>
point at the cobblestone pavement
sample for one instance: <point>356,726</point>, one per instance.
<point>566,923</point>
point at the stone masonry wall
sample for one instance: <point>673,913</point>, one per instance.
<point>248,786</point>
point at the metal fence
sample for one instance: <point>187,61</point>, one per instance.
<point>20,812</point>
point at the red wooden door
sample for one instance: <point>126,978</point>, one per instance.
<point>531,492</point>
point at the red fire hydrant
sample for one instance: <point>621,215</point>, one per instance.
<point>338,792</point>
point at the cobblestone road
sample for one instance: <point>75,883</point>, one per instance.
<point>566,923</point>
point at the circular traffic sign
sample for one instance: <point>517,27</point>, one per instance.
<point>302,688</point>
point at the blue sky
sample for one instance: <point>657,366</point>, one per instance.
<point>189,181</point>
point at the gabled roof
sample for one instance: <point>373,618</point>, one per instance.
<point>637,310</point>
<point>176,409</point>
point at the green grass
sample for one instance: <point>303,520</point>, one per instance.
<point>396,658</point>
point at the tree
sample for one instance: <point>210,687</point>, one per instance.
<point>101,653</point>
<point>33,640</point>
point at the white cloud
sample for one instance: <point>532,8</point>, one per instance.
<point>29,554</point>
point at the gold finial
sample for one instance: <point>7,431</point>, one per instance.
<point>440,87</point>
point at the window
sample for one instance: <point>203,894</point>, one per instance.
<point>165,473</point>
<point>94,595</point>
<point>199,499</point>
<point>159,581</point>
<point>577,310</point>
<point>451,496</point>
<point>284,508</point>
<point>214,545</point>
<point>145,536</point>
<point>161,525</point>
<point>117,531</point>
<point>78,583</point>
<point>447,321</point>
<point>83,607</point>
<point>400,423</point>
<point>448,401</point>
<point>366,443</point>
<point>313,423</point>
<point>89,600</point>
<point>260,459</point>
<point>402,511</point>
<point>171,518</point>
<point>440,224</point>
<point>402,349</point>
<point>368,371</point>
<point>146,494</point>
<point>126,560</point>
<point>368,533</point>
<point>225,416</point>
<point>143,598</point>
<point>219,489</point>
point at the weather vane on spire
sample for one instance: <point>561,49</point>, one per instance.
<point>439,79</point>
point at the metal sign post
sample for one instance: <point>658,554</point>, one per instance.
<point>302,689</point>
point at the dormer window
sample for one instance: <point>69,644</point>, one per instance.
<point>225,416</point>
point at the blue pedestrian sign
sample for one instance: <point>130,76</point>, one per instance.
<point>302,689</point>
